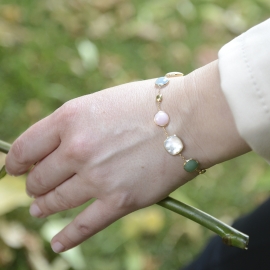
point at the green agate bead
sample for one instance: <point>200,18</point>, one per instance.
<point>191,165</point>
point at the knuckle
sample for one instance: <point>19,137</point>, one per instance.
<point>83,228</point>
<point>36,179</point>
<point>17,151</point>
<point>78,149</point>
<point>46,205</point>
<point>97,175</point>
<point>125,201</point>
<point>67,238</point>
<point>70,241</point>
<point>61,200</point>
<point>67,112</point>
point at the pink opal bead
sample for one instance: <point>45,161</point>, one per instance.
<point>162,119</point>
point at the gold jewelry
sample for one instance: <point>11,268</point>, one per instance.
<point>172,144</point>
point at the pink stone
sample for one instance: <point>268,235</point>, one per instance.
<point>162,119</point>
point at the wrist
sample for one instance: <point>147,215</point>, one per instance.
<point>201,117</point>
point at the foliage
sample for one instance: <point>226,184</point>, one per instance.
<point>52,51</point>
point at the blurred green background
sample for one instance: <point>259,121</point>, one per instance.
<point>55,50</point>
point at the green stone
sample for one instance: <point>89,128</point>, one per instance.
<point>191,165</point>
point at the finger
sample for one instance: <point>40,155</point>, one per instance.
<point>70,194</point>
<point>49,173</point>
<point>93,219</point>
<point>33,145</point>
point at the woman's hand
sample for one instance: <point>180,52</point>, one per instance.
<point>106,146</point>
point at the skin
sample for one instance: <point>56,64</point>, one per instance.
<point>106,146</point>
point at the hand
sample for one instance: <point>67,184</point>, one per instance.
<point>106,146</point>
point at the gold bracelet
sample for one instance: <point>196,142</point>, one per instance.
<point>173,144</point>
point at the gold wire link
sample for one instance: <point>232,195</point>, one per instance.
<point>165,131</point>
<point>200,171</point>
<point>182,157</point>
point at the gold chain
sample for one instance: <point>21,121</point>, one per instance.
<point>159,98</point>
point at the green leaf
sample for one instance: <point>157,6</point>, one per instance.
<point>3,172</point>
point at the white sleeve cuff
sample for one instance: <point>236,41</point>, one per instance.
<point>244,66</point>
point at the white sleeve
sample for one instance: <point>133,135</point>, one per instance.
<point>244,66</point>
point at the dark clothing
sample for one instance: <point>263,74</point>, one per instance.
<point>217,256</point>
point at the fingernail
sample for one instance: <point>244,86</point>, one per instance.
<point>35,210</point>
<point>29,194</point>
<point>57,247</point>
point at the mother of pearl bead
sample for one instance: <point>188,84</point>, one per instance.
<point>161,119</point>
<point>173,145</point>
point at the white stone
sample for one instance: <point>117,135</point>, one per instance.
<point>173,145</point>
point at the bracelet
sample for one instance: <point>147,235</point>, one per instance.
<point>172,144</point>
